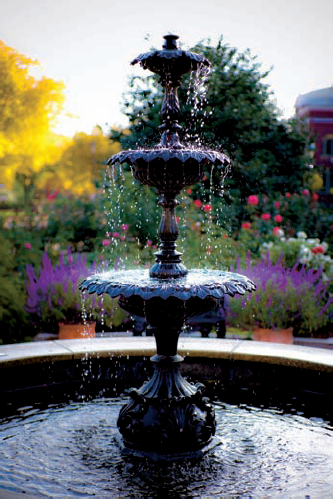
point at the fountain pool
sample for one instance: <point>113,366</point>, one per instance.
<point>61,399</point>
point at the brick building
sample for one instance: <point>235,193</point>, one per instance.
<point>317,108</point>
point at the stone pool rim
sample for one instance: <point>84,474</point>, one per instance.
<point>302,357</point>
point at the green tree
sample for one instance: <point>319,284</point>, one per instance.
<point>234,113</point>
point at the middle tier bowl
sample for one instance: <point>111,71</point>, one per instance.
<point>169,170</point>
<point>197,292</point>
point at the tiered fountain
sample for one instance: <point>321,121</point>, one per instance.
<point>168,417</point>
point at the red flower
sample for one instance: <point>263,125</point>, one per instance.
<point>278,218</point>
<point>207,207</point>
<point>188,191</point>
<point>246,225</point>
<point>317,249</point>
<point>265,216</point>
<point>253,200</point>
<point>305,192</point>
<point>288,195</point>
<point>197,203</point>
<point>276,204</point>
<point>315,196</point>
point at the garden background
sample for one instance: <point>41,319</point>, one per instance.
<point>64,214</point>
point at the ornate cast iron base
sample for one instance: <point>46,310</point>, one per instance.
<point>167,417</point>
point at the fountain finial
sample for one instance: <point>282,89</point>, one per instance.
<point>170,42</point>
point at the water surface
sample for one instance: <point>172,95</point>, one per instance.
<point>70,450</point>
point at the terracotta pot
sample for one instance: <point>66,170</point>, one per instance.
<point>274,335</point>
<point>71,331</point>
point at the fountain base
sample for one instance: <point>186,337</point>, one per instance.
<point>168,415</point>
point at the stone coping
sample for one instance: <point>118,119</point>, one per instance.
<point>241,350</point>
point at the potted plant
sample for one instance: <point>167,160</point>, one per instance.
<point>65,307</point>
<point>285,298</point>
<point>55,301</point>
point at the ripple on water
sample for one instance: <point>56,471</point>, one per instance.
<point>70,450</point>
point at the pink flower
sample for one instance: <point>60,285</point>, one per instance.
<point>122,238</point>
<point>315,196</point>
<point>207,207</point>
<point>197,203</point>
<point>189,191</point>
<point>253,200</point>
<point>149,243</point>
<point>288,195</point>
<point>246,225</point>
<point>106,242</point>
<point>305,192</point>
<point>276,204</point>
<point>265,216</point>
<point>27,245</point>
<point>276,231</point>
<point>115,234</point>
<point>278,218</point>
<point>124,227</point>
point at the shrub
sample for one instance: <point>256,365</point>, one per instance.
<point>285,297</point>
<point>53,295</point>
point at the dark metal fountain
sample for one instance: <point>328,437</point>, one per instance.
<point>168,417</point>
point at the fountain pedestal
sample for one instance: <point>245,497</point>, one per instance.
<point>167,416</point>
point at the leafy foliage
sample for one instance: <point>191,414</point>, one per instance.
<point>14,324</point>
<point>285,297</point>
<point>29,108</point>
<point>53,294</point>
<point>78,168</point>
